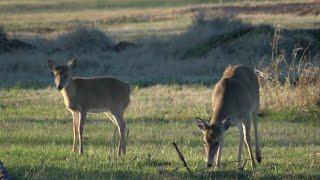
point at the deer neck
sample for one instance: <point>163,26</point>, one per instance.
<point>68,90</point>
<point>218,116</point>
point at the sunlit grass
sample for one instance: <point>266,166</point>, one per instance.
<point>286,20</point>
<point>36,137</point>
<point>35,127</point>
<point>62,16</point>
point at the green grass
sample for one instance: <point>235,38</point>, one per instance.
<point>36,130</point>
<point>156,16</point>
<point>36,138</point>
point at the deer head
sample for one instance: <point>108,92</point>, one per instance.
<point>62,73</point>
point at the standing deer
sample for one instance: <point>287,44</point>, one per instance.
<point>96,94</point>
<point>235,102</point>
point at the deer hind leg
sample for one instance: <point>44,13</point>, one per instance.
<point>80,129</point>
<point>112,118</point>
<point>246,132</point>
<point>258,151</point>
<point>75,124</point>
<point>240,146</point>
<point>122,131</point>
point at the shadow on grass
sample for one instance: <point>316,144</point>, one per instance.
<point>283,142</point>
<point>42,172</point>
<point>38,85</point>
<point>38,172</point>
<point>310,116</point>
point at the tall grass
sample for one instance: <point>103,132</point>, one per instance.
<point>35,127</point>
<point>290,82</point>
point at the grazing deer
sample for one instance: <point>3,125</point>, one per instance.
<point>96,94</point>
<point>235,102</point>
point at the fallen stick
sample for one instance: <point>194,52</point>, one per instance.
<point>181,157</point>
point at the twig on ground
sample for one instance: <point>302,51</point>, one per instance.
<point>181,157</point>
<point>202,169</point>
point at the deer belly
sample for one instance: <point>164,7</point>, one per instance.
<point>98,110</point>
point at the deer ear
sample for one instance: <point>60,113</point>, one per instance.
<point>202,125</point>
<point>72,63</point>
<point>226,123</point>
<point>51,65</point>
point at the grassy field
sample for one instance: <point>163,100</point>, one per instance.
<point>125,19</point>
<point>182,48</point>
<point>36,138</point>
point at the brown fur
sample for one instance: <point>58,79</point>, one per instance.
<point>96,94</point>
<point>235,102</point>
<point>90,94</point>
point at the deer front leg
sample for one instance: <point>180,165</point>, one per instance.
<point>218,156</point>
<point>82,119</point>
<point>75,124</point>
